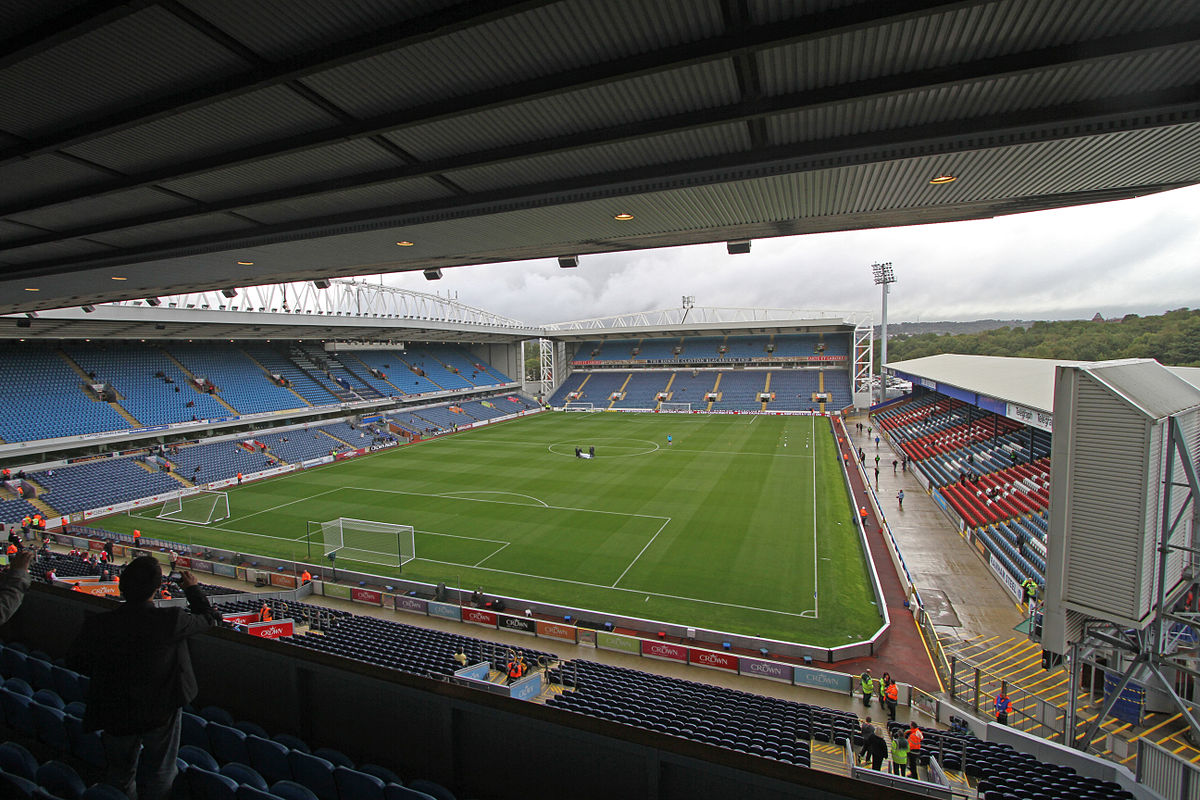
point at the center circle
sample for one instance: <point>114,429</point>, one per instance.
<point>608,447</point>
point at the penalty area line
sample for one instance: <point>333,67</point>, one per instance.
<point>639,555</point>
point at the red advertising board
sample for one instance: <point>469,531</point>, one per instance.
<point>711,658</point>
<point>182,562</point>
<point>367,596</point>
<point>553,630</point>
<point>270,630</point>
<point>245,618</point>
<point>349,454</point>
<point>477,616</point>
<point>671,652</point>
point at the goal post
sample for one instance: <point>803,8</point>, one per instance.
<point>198,508</point>
<point>675,408</point>
<point>575,406</point>
<point>364,540</point>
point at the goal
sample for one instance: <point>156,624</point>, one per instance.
<point>370,542</point>
<point>675,408</point>
<point>199,508</point>
<point>573,406</point>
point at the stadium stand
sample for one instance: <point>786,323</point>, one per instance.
<point>240,382</point>
<point>216,461</point>
<point>739,390</point>
<point>429,360</point>
<point>690,386</point>
<point>53,405</point>
<point>95,484</point>
<point>276,362</point>
<point>400,373</point>
<point>150,385</point>
<point>642,389</point>
<point>16,510</point>
<point>647,350</point>
<point>469,368</point>
<point>569,386</point>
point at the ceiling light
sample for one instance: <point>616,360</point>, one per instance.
<point>119,278</point>
<point>32,289</point>
<point>245,263</point>
<point>624,216</point>
<point>404,243</point>
<point>943,179</point>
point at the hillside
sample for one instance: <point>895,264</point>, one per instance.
<point>1172,338</point>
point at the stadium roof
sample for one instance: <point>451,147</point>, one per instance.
<point>1027,382</point>
<point>706,321</point>
<point>155,148</point>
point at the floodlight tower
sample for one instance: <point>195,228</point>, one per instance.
<point>884,277</point>
<point>689,300</point>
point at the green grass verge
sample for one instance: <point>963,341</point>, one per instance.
<point>742,524</point>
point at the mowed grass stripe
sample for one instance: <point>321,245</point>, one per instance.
<point>737,553</point>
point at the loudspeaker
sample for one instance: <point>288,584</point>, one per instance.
<point>231,293</point>
<point>738,247</point>
<point>568,262</point>
<point>153,301</point>
<point>24,323</point>
<point>88,309</point>
<point>321,283</point>
<point>433,274</point>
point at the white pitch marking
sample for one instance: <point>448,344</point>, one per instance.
<point>454,495</point>
<point>639,555</point>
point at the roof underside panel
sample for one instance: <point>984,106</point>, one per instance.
<point>193,228</point>
<point>409,191</point>
<point>539,43</point>
<point>295,169</point>
<point>100,71</point>
<point>115,206</point>
<point>689,89</point>
<point>223,126</point>
<point>43,175</point>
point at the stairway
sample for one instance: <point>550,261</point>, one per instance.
<point>268,372</point>
<point>192,382</point>
<point>88,380</point>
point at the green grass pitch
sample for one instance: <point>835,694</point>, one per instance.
<point>742,524</point>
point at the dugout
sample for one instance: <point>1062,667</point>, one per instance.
<point>448,732</point>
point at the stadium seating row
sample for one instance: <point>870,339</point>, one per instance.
<point>47,390</point>
<point>792,390</point>
<point>714,349</point>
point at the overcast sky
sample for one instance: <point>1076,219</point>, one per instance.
<point>1134,256</point>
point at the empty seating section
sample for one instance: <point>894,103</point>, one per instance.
<point>429,360</point>
<point>239,381</point>
<point>217,461</point>
<point>793,389</point>
<point>408,648</point>
<point>648,349</point>
<point>743,347</point>
<point>100,483</point>
<point>799,345</point>
<point>571,384</point>
<point>702,347</point>
<point>44,398</point>
<point>739,390</point>
<point>300,445</point>
<point>398,372</point>
<point>442,417</point>
<point>277,362</point>
<point>16,510</point>
<point>134,371</point>
<point>327,370</point>
<point>690,386</point>
<point>992,471</point>
<point>478,410</point>
<point>475,371</point>
<point>589,351</point>
<point>642,389</point>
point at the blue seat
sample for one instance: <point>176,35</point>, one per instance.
<point>251,729</point>
<point>226,743</point>
<point>290,790</point>
<point>333,756</point>
<point>244,775</point>
<point>217,714</point>
<point>41,673</point>
<point>434,790</point>
<point>314,772</point>
<point>192,731</point>
<point>12,661</point>
<point>394,791</point>
<point>292,742</point>
<point>86,746</point>
<point>51,727</point>
<point>49,697</point>
<point>198,757</point>
<point>59,779</point>
<point>16,760</point>
<point>270,758</point>
<point>210,785</point>
<point>359,785</point>
<point>16,786</point>
<point>17,712</point>
<point>102,791</point>
<point>383,773</point>
<point>245,792</point>
<point>66,683</point>
<point>19,686</point>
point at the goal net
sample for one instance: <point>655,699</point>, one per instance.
<point>367,541</point>
<point>200,508</point>
<point>679,408</point>
<point>573,406</point>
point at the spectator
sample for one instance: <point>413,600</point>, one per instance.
<point>13,583</point>
<point>141,677</point>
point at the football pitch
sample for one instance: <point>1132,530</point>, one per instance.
<point>741,524</point>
